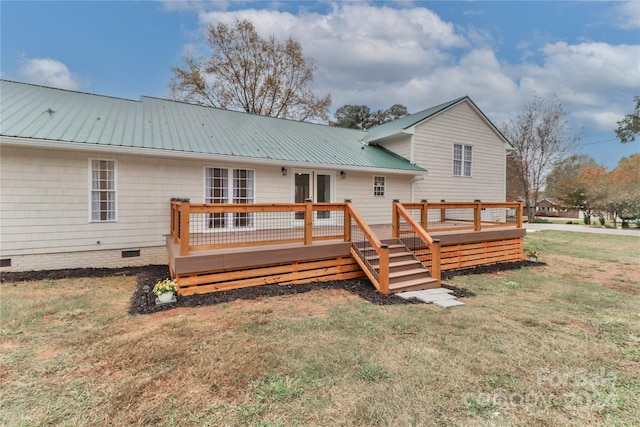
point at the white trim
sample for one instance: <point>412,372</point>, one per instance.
<point>155,152</point>
<point>384,186</point>
<point>313,183</point>
<point>230,190</point>
<point>115,190</point>
<point>453,159</point>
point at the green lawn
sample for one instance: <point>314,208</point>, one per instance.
<point>556,344</point>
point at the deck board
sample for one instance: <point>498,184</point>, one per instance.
<point>244,257</point>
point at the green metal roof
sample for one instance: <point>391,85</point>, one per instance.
<point>397,126</point>
<point>43,113</point>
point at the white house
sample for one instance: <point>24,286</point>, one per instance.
<point>86,180</point>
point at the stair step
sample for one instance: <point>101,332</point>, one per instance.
<point>397,264</point>
<point>411,261</point>
<point>391,255</point>
<point>414,285</point>
<point>398,274</point>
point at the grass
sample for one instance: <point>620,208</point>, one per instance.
<point>550,345</point>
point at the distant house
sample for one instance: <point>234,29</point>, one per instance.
<point>550,207</point>
<point>86,179</point>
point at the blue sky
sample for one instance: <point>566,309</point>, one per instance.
<point>375,53</point>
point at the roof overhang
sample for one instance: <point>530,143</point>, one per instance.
<point>154,152</point>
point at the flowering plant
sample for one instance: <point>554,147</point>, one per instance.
<point>533,254</point>
<point>164,286</point>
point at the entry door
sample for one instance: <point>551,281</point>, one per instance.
<point>317,185</point>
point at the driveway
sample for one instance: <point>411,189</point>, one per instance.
<point>581,229</point>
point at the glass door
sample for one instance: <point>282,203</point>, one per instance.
<point>302,190</point>
<point>323,193</point>
<point>317,185</point>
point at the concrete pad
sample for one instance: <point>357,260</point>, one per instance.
<point>426,292</point>
<point>432,298</point>
<point>439,296</point>
<point>446,303</point>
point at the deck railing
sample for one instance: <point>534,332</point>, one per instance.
<point>476,216</point>
<point>415,237</point>
<point>366,247</point>
<point>215,226</point>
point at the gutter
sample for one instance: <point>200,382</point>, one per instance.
<point>154,152</point>
<point>413,181</point>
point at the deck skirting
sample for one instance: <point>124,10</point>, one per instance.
<point>472,254</point>
<point>220,270</point>
<point>288,264</point>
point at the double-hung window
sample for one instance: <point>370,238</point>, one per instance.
<point>378,186</point>
<point>462,155</point>
<point>103,190</point>
<point>226,185</point>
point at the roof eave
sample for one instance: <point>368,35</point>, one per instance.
<point>155,152</point>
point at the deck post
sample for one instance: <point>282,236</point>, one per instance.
<point>185,213</point>
<point>519,212</point>
<point>384,268</point>
<point>308,223</point>
<point>443,213</point>
<point>395,226</point>
<point>435,261</point>
<point>477,216</point>
<point>174,222</point>
<point>424,214</point>
<point>347,220</point>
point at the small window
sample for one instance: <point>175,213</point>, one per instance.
<point>378,185</point>
<point>103,190</point>
<point>462,160</point>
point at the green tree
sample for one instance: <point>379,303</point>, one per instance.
<point>539,139</point>
<point>621,189</point>
<point>572,182</point>
<point>629,127</point>
<point>361,117</point>
<point>248,73</point>
<point>353,117</point>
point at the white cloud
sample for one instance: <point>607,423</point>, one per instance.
<point>363,52</point>
<point>49,72</point>
<point>379,55</point>
<point>628,15</point>
<point>591,80</point>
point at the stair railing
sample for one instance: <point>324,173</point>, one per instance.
<point>365,246</point>
<point>400,214</point>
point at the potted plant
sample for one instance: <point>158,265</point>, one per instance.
<point>165,289</point>
<point>533,256</point>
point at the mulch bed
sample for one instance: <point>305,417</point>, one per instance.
<point>144,302</point>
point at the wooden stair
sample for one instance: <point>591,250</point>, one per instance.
<point>406,272</point>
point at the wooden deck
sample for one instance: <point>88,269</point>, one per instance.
<point>285,264</point>
<point>350,250</point>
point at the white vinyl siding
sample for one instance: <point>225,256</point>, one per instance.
<point>462,160</point>
<point>378,186</point>
<point>103,190</point>
<point>433,140</point>
<point>49,220</point>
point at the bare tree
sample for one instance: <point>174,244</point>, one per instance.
<point>247,73</point>
<point>539,139</point>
